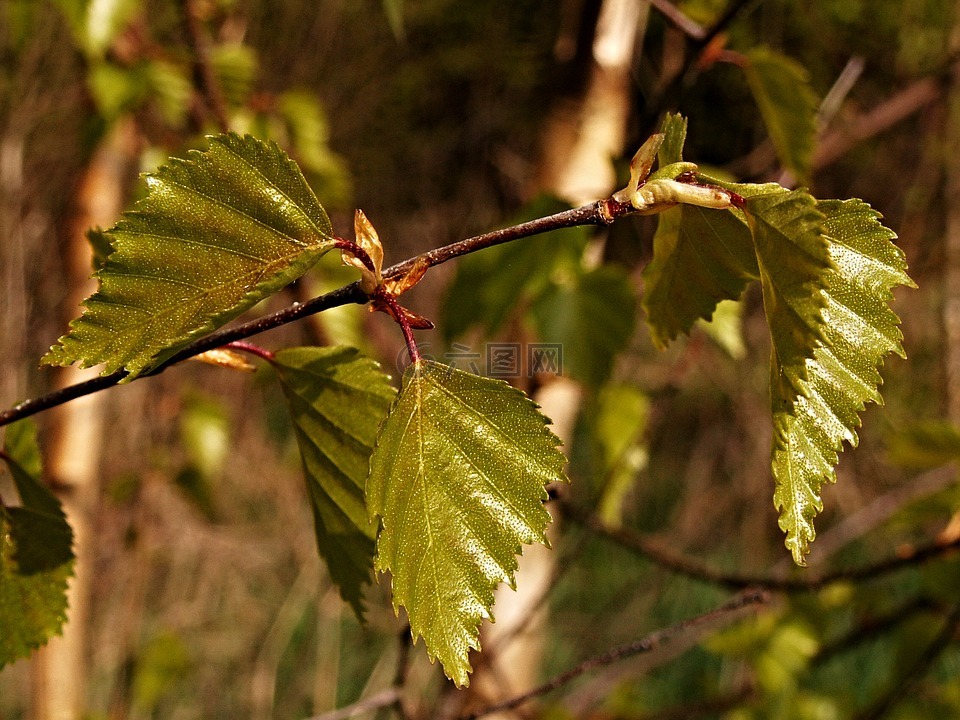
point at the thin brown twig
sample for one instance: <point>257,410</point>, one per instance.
<point>699,570</point>
<point>906,680</point>
<point>382,699</point>
<point>654,641</point>
<point>204,77</point>
<point>602,212</point>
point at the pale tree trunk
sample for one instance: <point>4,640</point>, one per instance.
<point>581,140</point>
<point>73,453</point>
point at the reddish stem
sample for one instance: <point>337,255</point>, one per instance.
<point>401,317</point>
<point>357,251</point>
<point>248,347</point>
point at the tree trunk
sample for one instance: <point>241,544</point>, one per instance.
<point>76,438</point>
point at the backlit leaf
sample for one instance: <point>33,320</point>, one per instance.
<point>788,105</point>
<point>215,234</point>
<point>337,400</point>
<point>457,478</point>
<point>820,384</point>
<point>36,555</point>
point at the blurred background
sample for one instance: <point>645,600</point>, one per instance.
<point>199,592</point>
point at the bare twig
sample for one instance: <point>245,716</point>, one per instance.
<point>683,23</point>
<point>651,643</point>
<point>204,77</point>
<point>907,679</point>
<point>382,699</point>
<point>599,213</point>
<point>699,570</point>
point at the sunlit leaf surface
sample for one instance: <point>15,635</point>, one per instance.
<point>457,479</point>
<point>215,234</point>
<point>818,394</point>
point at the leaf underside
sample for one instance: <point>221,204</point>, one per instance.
<point>457,478</point>
<point>816,399</point>
<point>215,234</point>
<point>36,554</point>
<point>337,400</point>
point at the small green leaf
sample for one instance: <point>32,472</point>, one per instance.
<point>457,478</point>
<point>788,105</point>
<point>700,257</point>
<point>337,400</point>
<point>215,234</point>
<point>36,555</point>
<point>674,131</point>
<point>592,317</point>
<point>827,350</point>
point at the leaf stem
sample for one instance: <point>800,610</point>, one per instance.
<point>357,251</point>
<point>651,643</point>
<point>246,347</point>
<point>398,314</point>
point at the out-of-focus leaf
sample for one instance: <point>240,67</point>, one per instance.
<point>457,478</point>
<point>726,329</point>
<point>592,317</point>
<point>161,664</point>
<point>621,418</point>
<point>393,9</point>
<point>36,554</point>
<point>337,400</point>
<point>235,66</point>
<point>788,105</point>
<point>115,89</point>
<point>96,23</point>
<point>490,283</point>
<point>925,445</point>
<point>170,89</point>
<point>215,234</point>
<point>205,435</point>
<point>826,297</point>
<point>309,136</point>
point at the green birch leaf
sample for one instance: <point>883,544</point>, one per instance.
<point>457,478</point>
<point>788,105</point>
<point>215,234</point>
<point>337,400</point>
<point>591,316</point>
<point>36,553</point>
<point>700,257</point>
<point>819,386</point>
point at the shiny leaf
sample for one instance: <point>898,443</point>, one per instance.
<point>827,348</point>
<point>337,399</point>
<point>457,478</point>
<point>215,234</point>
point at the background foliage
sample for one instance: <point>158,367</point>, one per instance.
<point>209,599</point>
